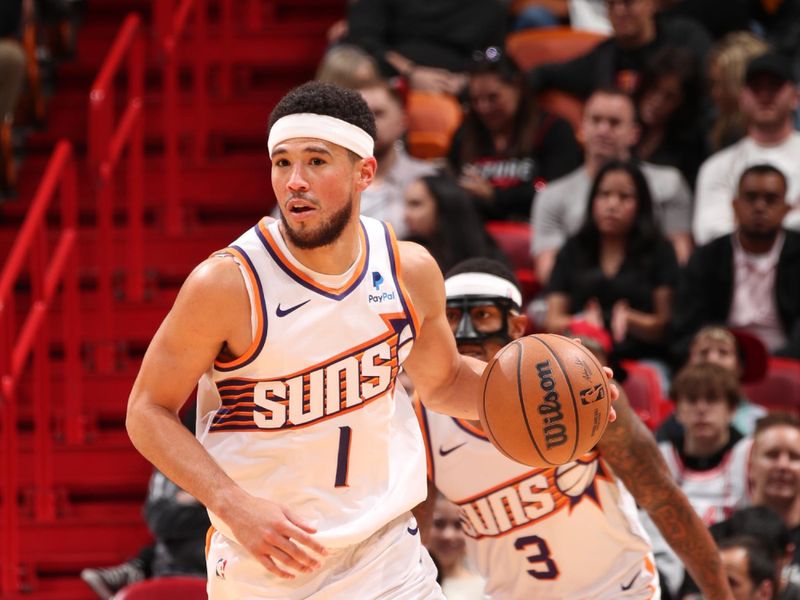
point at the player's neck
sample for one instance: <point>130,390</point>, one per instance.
<point>334,258</point>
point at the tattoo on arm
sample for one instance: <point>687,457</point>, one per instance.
<point>632,452</point>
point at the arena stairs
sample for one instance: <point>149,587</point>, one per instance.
<point>99,485</point>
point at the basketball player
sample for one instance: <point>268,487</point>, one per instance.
<point>306,461</point>
<point>564,533</point>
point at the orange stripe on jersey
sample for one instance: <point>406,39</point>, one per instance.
<point>395,250</point>
<point>362,261</point>
<point>472,428</point>
<point>254,345</point>
<point>209,534</point>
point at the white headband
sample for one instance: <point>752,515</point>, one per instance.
<point>481,284</point>
<point>322,127</point>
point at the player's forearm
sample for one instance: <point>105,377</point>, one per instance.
<point>688,537</point>
<point>459,396</point>
<point>161,438</point>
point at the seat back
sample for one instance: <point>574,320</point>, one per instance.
<point>780,388</point>
<point>514,239</point>
<point>643,388</point>
<point>533,47</point>
<point>432,120</point>
<point>165,588</point>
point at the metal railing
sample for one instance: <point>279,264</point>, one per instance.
<point>171,24</point>
<point>26,340</point>
<point>109,139</point>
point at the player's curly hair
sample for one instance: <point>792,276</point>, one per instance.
<point>326,99</point>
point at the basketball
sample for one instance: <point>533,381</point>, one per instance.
<point>545,400</point>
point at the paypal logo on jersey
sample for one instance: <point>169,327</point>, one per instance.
<point>378,296</point>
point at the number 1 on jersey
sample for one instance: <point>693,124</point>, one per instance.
<point>343,457</point>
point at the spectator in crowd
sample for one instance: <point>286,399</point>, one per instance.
<point>751,569</point>
<point>707,457</point>
<point>430,43</point>
<point>727,62</point>
<point>447,545</point>
<point>384,198</point>
<point>441,216</point>
<point>618,271</point>
<point>668,102</point>
<point>738,351</point>
<point>619,60</point>
<point>775,476</point>
<point>507,145</point>
<point>749,279</point>
<point>768,100</point>
<point>608,131</point>
<point>12,73</point>
<point>764,524</point>
<point>349,66</point>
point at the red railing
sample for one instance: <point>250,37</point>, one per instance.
<point>109,138</point>
<point>26,340</point>
<point>170,28</point>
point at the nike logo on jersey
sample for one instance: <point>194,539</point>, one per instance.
<point>443,452</point>
<point>624,587</point>
<point>413,530</point>
<point>282,312</point>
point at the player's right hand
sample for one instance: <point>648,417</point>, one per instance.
<point>276,537</point>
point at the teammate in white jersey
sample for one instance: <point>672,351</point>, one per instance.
<point>307,461</point>
<point>564,533</point>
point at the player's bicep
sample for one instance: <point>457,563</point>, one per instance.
<point>631,450</point>
<point>192,334</point>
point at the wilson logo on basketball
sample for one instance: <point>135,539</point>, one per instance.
<point>555,432</point>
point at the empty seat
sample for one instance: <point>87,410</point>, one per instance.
<point>643,388</point>
<point>432,120</point>
<point>514,239</point>
<point>533,47</point>
<point>780,388</point>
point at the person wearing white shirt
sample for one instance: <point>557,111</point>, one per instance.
<point>769,100</point>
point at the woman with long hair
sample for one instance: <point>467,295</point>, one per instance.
<point>441,216</point>
<point>668,103</point>
<point>618,271</point>
<point>507,147</point>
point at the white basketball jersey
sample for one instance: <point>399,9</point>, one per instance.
<point>312,416</point>
<point>563,533</point>
<point>717,493</point>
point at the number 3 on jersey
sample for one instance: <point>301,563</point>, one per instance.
<point>545,567</point>
<point>343,456</point>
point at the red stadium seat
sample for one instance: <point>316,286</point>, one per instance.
<point>165,588</point>
<point>432,120</point>
<point>780,389</point>
<point>514,239</point>
<point>533,47</point>
<point>643,388</point>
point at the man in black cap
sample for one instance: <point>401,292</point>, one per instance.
<point>769,100</point>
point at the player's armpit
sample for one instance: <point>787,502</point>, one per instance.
<point>445,381</point>
<point>631,450</point>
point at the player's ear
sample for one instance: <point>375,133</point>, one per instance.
<point>367,167</point>
<point>517,324</point>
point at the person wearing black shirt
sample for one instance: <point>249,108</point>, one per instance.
<point>619,60</point>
